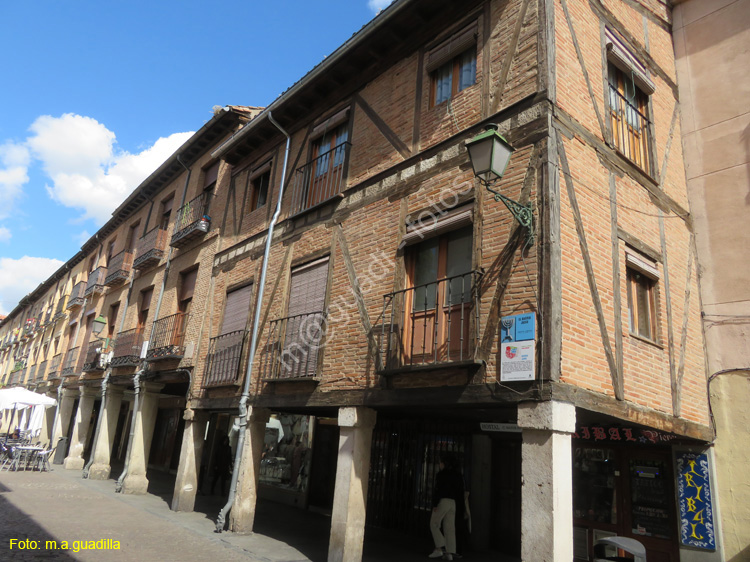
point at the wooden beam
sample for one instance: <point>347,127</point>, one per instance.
<point>383,127</point>
<point>616,280</point>
<point>670,328</point>
<point>512,48</point>
<point>685,317</point>
<point>586,255</point>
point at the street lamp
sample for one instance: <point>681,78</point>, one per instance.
<point>490,153</point>
<point>98,325</point>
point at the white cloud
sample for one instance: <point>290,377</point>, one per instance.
<point>20,277</point>
<point>82,237</point>
<point>79,155</point>
<point>378,5</point>
<point>5,234</point>
<point>14,165</point>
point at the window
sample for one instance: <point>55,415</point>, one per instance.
<point>439,302</point>
<point>260,190</point>
<point>328,156</point>
<point>629,90</point>
<point>146,295</point>
<point>452,64</point>
<point>110,252</point>
<point>132,240</point>
<point>642,276</point>
<point>187,288</point>
<point>166,212</point>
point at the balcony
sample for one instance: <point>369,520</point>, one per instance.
<point>70,365</point>
<point>76,299</point>
<point>96,357</point>
<point>320,179</point>
<point>435,324</point>
<point>95,284</point>
<point>60,309</point>
<point>41,370</point>
<point>127,348</point>
<point>224,359</point>
<point>192,221</point>
<point>48,316</point>
<point>291,351</point>
<point>168,338</point>
<point>54,368</point>
<point>32,373</point>
<point>151,247</point>
<point>30,327</point>
<point>118,269</point>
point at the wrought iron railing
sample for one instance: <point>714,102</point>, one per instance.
<point>292,347</point>
<point>320,179</point>
<point>118,268</point>
<point>150,248</point>
<point>60,308</point>
<point>192,219</point>
<point>32,372</point>
<point>70,364</point>
<point>95,284</point>
<point>76,295</point>
<point>430,324</point>
<point>168,337</point>
<point>54,367</point>
<point>41,370</point>
<point>30,327</point>
<point>224,359</point>
<point>95,356</point>
<point>127,348</point>
<point>630,129</point>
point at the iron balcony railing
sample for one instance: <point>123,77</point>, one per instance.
<point>41,370</point>
<point>168,337</point>
<point>291,351</point>
<point>71,362</point>
<point>30,327</point>
<point>430,324</point>
<point>32,373</point>
<point>54,367</point>
<point>118,268</point>
<point>224,359</point>
<point>95,283</point>
<point>60,308</point>
<point>151,247</point>
<point>95,357</point>
<point>48,316</point>
<point>320,179</point>
<point>192,220</point>
<point>76,296</point>
<point>630,129</point>
<point>127,348</point>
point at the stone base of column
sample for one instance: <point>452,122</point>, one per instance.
<point>136,485</point>
<point>99,471</point>
<point>73,463</point>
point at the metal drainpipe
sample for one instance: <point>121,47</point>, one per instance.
<point>253,341</point>
<point>105,381</point>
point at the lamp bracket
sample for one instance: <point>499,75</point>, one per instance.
<point>522,213</point>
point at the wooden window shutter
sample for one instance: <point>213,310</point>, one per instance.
<point>146,299</point>
<point>308,288</point>
<point>236,310</point>
<point>187,284</point>
<point>211,175</point>
<point>451,47</point>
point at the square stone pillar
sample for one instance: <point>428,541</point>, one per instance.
<point>186,484</point>
<point>101,468</point>
<point>81,426</point>
<point>64,411</point>
<point>352,477</point>
<point>145,418</point>
<point>547,481</point>
<point>242,515</point>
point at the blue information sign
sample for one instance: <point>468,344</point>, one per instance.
<point>519,327</point>
<point>696,505</point>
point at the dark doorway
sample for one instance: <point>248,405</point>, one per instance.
<point>323,466</point>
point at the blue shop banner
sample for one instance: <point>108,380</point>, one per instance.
<point>696,503</point>
<point>519,327</point>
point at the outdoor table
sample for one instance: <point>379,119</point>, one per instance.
<point>24,454</point>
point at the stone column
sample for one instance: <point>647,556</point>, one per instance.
<point>547,489</point>
<point>61,423</point>
<point>352,476</point>
<point>242,515</point>
<point>101,468</point>
<point>145,418</point>
<point>81,426</point>
<point>186,484</point>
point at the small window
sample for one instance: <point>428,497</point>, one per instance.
<point>628,110</point>
<point>260,191</point>
<point>642,304</point>
<point>454,76</point>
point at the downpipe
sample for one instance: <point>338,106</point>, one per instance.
<point>221,518</point>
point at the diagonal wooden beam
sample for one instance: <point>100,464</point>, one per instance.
<point>665,159</point>
<point>505,70</point>
<point>614,374</point>
<point>383,127</point>
<point>685,317</point>
<point>583,67</point>
<point>670,328</point>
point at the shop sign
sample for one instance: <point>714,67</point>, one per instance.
<point>696,503</point>
<point>502,427</point>
<point>622,434</point>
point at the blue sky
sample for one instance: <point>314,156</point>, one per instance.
<point>98,94</point>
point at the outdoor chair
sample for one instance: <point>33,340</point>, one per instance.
<point>42,459</point>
